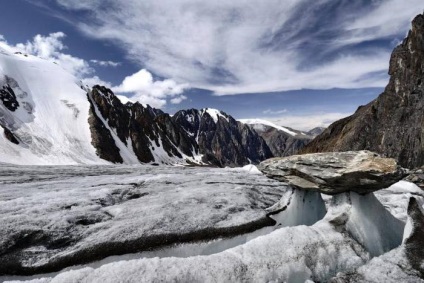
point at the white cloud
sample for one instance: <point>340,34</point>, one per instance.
<point>105,63</point>
<point>307,122</point>
<point>50,48</point>
<point>274,112</point>
<point>146,90</point>
<point>139,87</point>
<point>95,80</point>
<point>237,46</point>
<point>178,99</point>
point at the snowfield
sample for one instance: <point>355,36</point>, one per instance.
<point>51,122</point>
<point>156,224</point>
<point>78,213</point>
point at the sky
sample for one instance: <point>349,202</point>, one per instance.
<point>300,63</point>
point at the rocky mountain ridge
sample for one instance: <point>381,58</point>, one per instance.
<point>392,124</point>
<point>61,121</point>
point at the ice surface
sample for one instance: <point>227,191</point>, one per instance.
<point>392,267</point>
<point>102,205</point>
<point>131,202</point>
<point>396,198</point>
<point>286,255</point>
<point>372,225</point>
<point>299,208</point>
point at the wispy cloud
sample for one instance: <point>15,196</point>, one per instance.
<point>237,46</point>
<point>138,87</point>
<point>307,122</point>
<point>105,63</point>
<point>274,112</point>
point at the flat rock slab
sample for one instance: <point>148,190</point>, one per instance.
<point>335,172</point>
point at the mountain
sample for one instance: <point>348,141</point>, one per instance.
<point>49,117</point>
<point>282,141</point>
<point>139,133</point>
<point>45,120</point>
<point>393,123</point>
<point>221,139</point>
<point>315,131</point>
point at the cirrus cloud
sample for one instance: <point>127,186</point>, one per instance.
<point>233,47</point>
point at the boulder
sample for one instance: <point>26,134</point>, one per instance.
<point>335,172</point>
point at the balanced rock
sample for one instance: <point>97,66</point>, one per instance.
<point>335,172</point>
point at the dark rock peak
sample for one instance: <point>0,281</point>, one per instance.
<point>142,128</point>
<point>8,98</point>
<point>221,139</point>
<point>415,241</point>
<point>9,135</point>
<point>392,124</point>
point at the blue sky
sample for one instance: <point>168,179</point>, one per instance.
<point>299,62</point>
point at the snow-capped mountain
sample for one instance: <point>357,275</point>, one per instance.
<point>221,139</point>
<point>44,113</point>
<point>49,117</point>
<point>282,141</point>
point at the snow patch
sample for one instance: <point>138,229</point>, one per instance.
<point>215,114</point>
<point>266,123</point>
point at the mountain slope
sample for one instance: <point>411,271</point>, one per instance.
<point>282,141</point>
<point>48,117</point>
<point>143,134</point>
<point>222,140</point>
<point>393,123</point>
<point>44,119</point>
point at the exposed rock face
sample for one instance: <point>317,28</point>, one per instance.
<point>417,177</point>
<point>148,133</point>
<point>102,139</point>
<point>221,139</point>
<point>141,129</point>
<point>279,142</point>
<point>9,135</point>
<point>316,131</point>
<point>8,97</point>
<point>392,124</point>
<point>333,173</point>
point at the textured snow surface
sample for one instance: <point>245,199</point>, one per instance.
<point>396,198</point>
<point>392,267</point>
<point>52,120</point>
<point>98,205</point>
<point>266,123</point>
<point>286,255</point>
<point>123,203</point>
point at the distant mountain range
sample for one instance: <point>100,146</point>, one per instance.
<point>49,117</point>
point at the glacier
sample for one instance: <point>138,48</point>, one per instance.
<point>87,224</point>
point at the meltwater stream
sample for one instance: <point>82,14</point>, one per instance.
<point>302,208</point>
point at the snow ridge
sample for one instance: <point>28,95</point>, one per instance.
<point>51,122</point>
<point>267,123</point>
